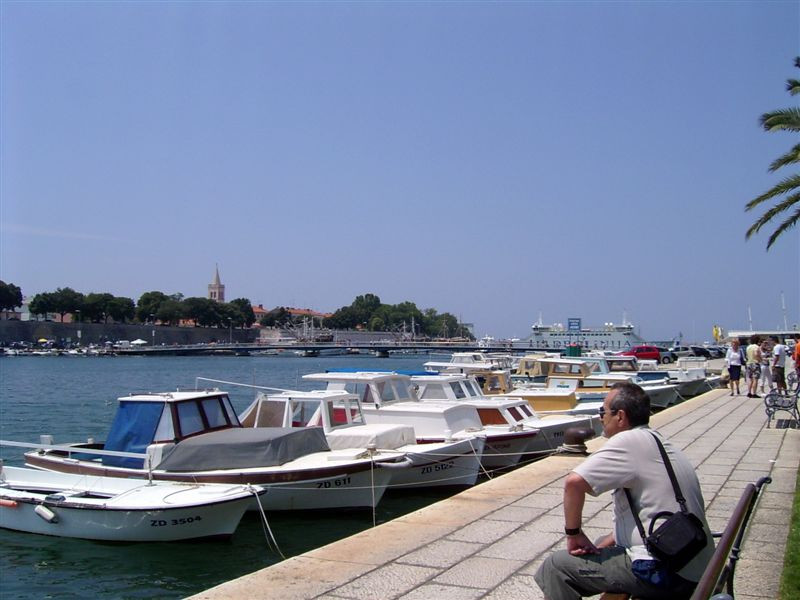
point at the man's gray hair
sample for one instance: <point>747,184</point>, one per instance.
<point>633,400</point>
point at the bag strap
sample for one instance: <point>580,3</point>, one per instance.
<point>674,480</point>
<point>668,465</point>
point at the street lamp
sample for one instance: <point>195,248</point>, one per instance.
<point>153,320</point>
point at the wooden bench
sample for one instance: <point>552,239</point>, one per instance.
<point>719,573</point>
<point>775,402</point>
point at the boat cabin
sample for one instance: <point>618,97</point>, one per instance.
<point>154,423</point>
<point>453,387</point>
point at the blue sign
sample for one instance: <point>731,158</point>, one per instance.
<point>574,324</point>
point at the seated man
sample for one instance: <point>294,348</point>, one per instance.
<point>619,562</point>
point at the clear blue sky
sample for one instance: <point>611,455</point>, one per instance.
<point>493,160</point>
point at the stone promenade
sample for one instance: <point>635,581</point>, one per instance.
<point>488,541</point>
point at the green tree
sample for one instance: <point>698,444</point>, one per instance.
<point>41,304</point>
<point>787,191</point>
<point>96,307</point>
<point>276,317</point>
<point>121,309</point>
<point>170,311</point>
<point>246,315</point>
<point>148,305</point>
<point>10,296</point>
<point>203,311</point>
<point>66,300</point>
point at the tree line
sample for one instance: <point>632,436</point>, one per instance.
<point>366,312</point>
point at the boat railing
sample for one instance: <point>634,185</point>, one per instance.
<point>70,450</point>
<point>246,385</point>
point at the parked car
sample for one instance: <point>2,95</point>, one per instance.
<point>717,351</point>
<point>681,351</point>
<point>666,356</point>
<point>643,353</point>
<point>700,351</point>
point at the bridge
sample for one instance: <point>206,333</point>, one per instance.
<point>382,348</point>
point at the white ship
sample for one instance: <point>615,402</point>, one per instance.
<point>610,336</point>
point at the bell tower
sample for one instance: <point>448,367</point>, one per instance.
<point>216,291</point>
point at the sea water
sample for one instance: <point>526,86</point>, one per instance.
<point>74,398</point>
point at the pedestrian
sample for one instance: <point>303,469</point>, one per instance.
<point>733,360</point>
<point>766,366</point>
<point>630,460</point>
<point>779,352</point>
<point>753,367</point>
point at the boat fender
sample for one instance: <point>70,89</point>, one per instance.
<point>8,503</point>
<point>46,514</point>
<point>402,464</point>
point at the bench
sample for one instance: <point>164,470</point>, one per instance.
<point>719,573</point>
<point>775,402</point>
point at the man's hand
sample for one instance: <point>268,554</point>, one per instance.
<point>579,545</point>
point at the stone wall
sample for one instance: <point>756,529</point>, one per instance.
<point>98,333</point>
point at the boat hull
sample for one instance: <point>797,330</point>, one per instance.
<point>311,489</point>
<point>215,520</point>
<point>458,466</point>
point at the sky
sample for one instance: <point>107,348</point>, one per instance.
<point>498,161</point>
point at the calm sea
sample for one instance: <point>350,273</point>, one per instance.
<point>73,398</point>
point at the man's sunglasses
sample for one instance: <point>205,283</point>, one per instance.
<point>602,411</point>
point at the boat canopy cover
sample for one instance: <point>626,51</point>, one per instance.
<point>242,448</point>
<point>133,429</point>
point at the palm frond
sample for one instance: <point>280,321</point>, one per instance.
<point>785,204</point>
<point>789,184</point>
<point>781,119</point>
<point>791,157</point>
<point>797,61</point>
<point>793,86</point>
<point>787,224</point>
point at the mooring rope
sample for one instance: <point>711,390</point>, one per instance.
<point>265,524</point>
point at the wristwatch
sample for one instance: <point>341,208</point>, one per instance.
<point>572,530</point>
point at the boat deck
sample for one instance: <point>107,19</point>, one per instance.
<point>488,541</point>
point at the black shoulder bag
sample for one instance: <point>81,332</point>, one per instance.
<point>681,536</point>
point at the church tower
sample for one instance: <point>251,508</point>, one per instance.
<point>216,291</point>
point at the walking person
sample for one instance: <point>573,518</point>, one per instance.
<point>733,360</point>
<point>631,464</point>
<point>753,354</point>
<point>766,366</point>
<point>779,352</point>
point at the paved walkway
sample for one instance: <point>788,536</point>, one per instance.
<point>488,541</point>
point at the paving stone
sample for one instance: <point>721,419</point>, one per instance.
<point>442,553</point>
<point>518,587</point>
<point>390,581</point>
<point>708,469</point>
<point>524,544</point>
<point>429,591</point>
<point>766,532</point>
<point>516,513</point>
<point>757,578</point>
<point>764,551</point>
<point>541,501</point>
<point>479,572</point>
<point>484,531</point>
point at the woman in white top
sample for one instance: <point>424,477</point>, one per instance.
<point>733,360</point>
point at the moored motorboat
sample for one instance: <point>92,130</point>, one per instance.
<point>119,510</point>
<point>434,464</point>
<point>195,436</point>
<point>388,397</point>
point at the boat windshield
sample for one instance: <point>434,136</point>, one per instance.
<point>458,390</point>
<point>307,413</point>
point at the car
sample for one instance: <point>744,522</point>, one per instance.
<point>666,356</point>
<point>681,351</point>
<point>643,353</point>
<point>700,351</point>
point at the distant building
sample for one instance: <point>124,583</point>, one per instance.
<point>307,312</point>
<point>259,312</point>
<point>216,291</point>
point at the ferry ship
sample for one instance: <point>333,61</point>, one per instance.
<point>608,337</point>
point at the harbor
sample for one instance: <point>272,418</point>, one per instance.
<point>429,530</point>
<point>487,542</point>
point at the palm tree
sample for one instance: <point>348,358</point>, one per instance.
<point>787,119</point>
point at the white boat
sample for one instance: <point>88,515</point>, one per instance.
<point>119,510</point>
<point>434,464</point>
<point>388,397</point>
<point>195,436</point>
<point>509,410</point>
